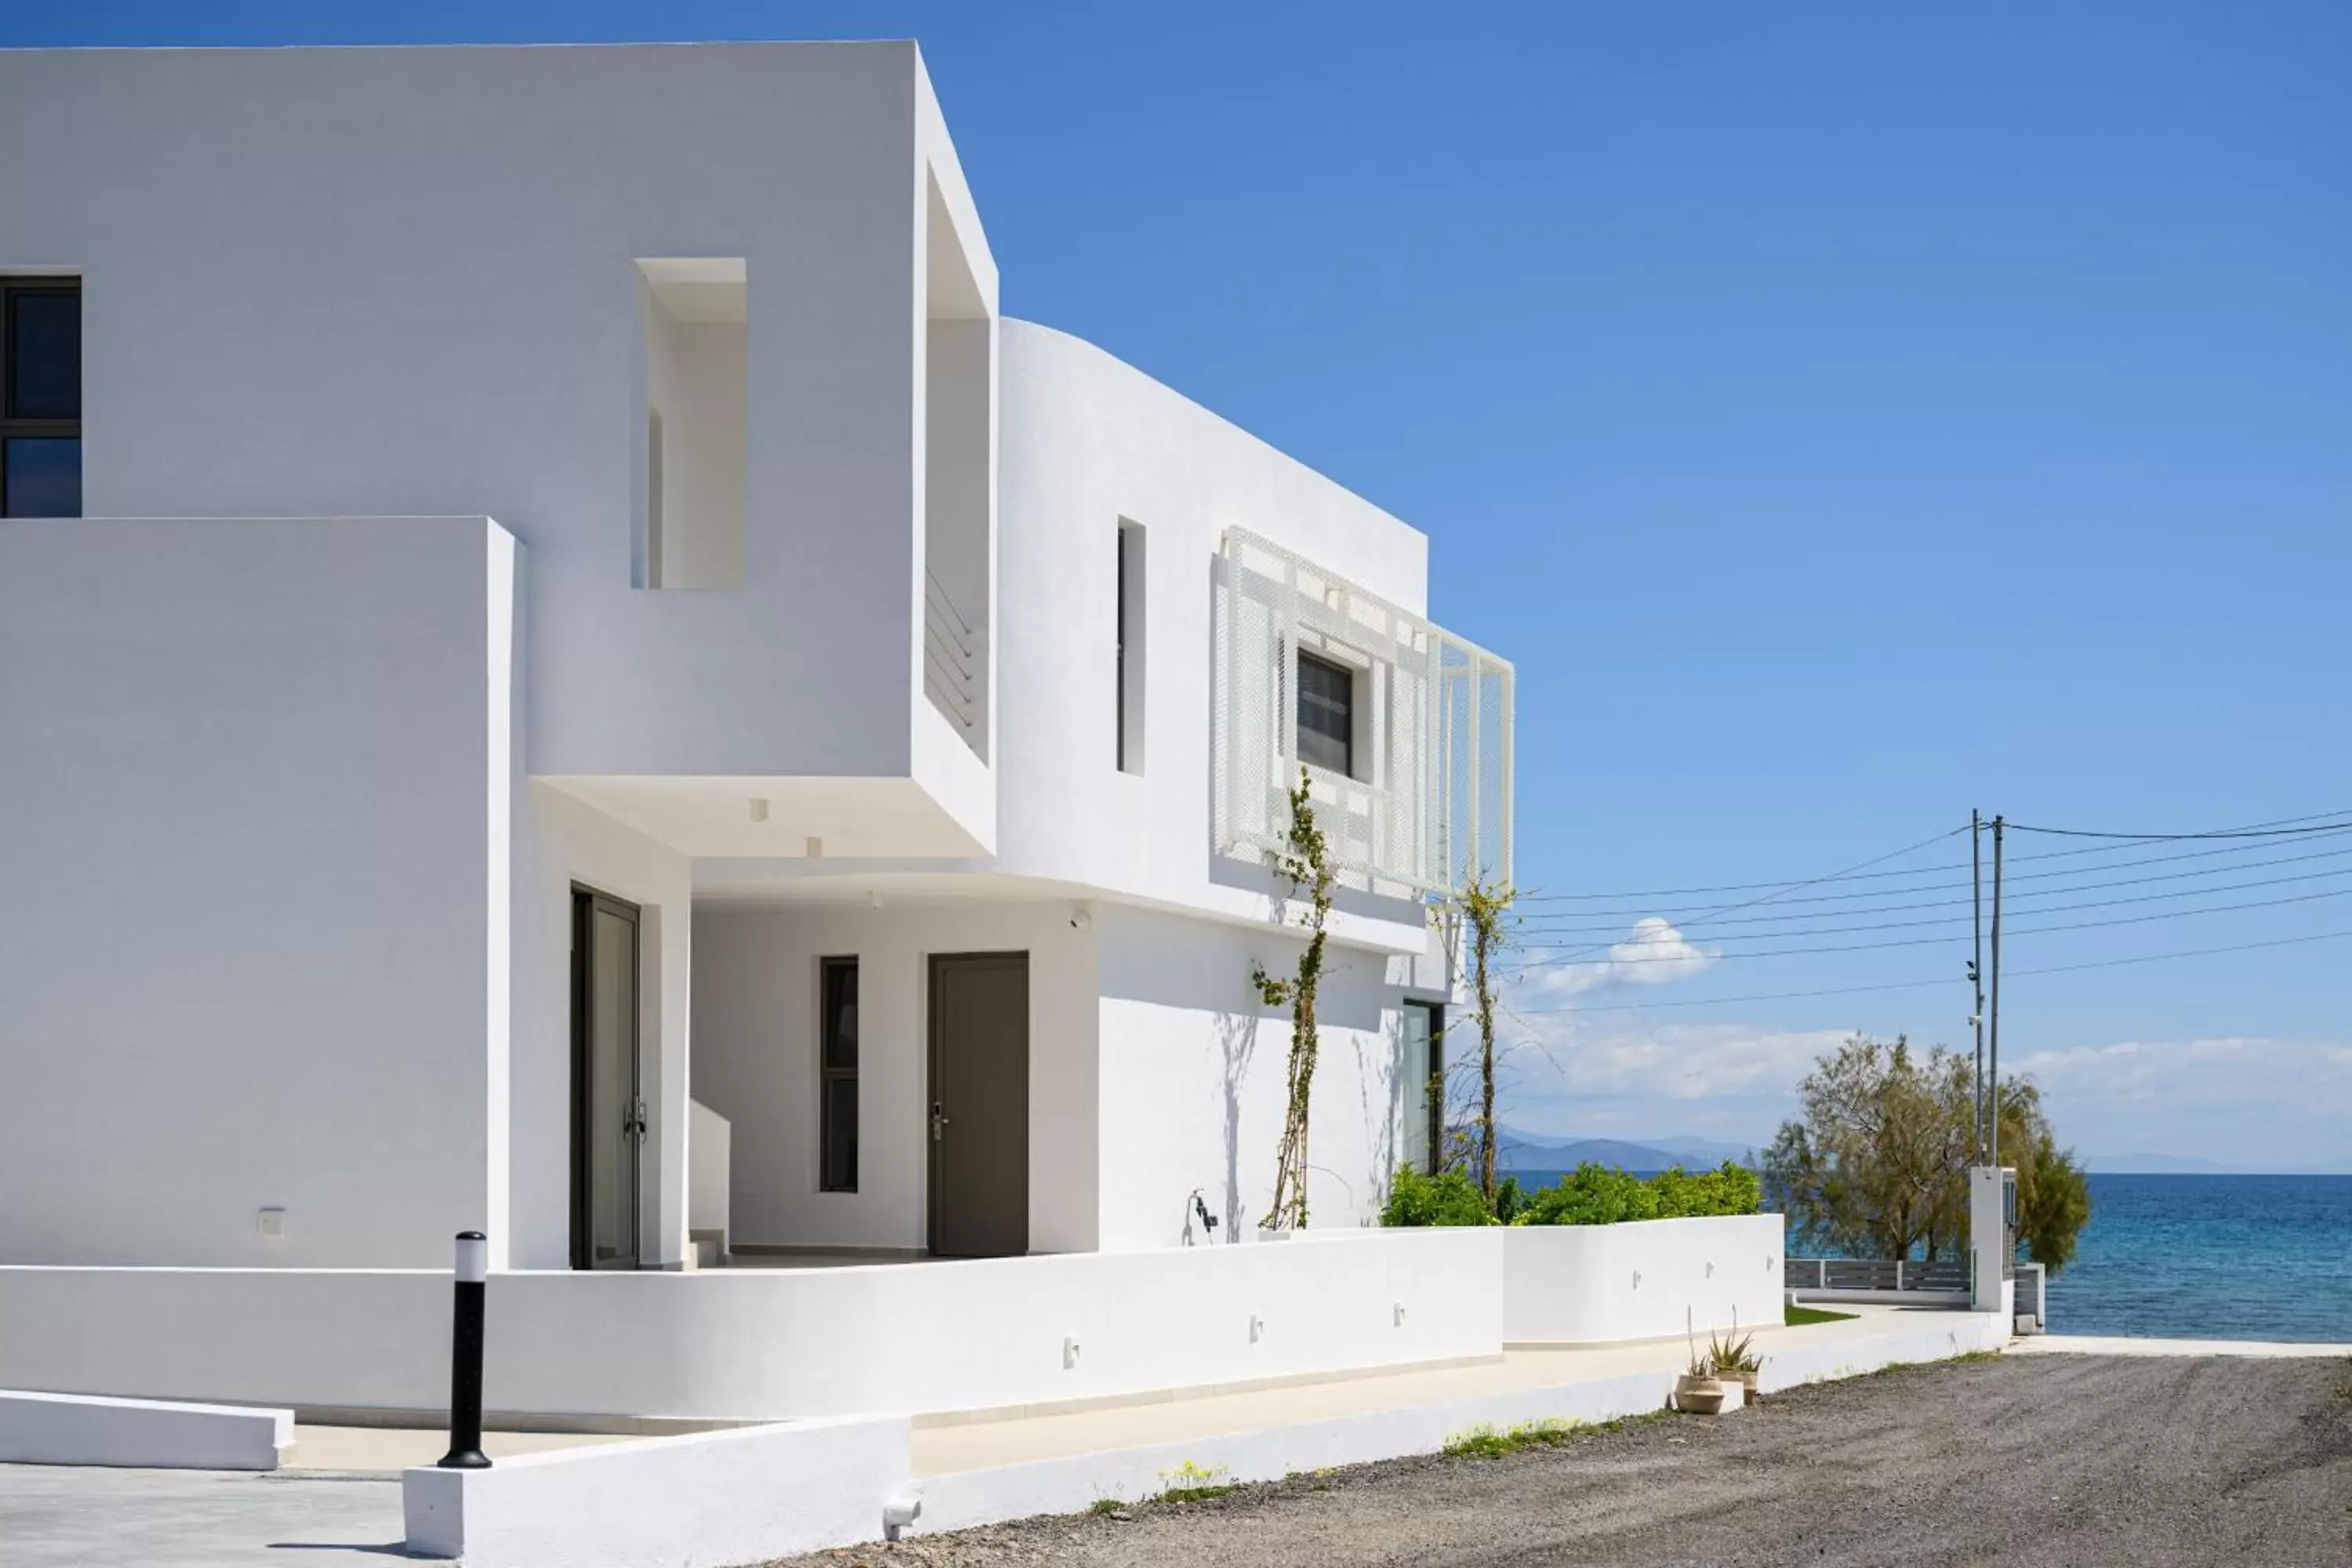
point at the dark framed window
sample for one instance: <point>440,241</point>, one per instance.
<point>1424,1034</point>
<point>40,397</point>
<point>837,1075</point>
<point>1327,714</point>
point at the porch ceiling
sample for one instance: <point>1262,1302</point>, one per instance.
<point>764,818</point>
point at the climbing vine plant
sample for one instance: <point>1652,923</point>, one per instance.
<point>1305,863</point>
<point>1487,906</point>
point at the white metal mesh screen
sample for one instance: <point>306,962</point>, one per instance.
<point>1426,797</point>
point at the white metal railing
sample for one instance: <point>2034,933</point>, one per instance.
<point>950,658</point>
<point>1427,803</point>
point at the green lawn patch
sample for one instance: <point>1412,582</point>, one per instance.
<point>1794,1316</point>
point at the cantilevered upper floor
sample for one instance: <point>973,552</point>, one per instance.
<point>711,330</point>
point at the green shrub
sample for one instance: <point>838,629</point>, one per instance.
<point>1590,1194</point>
<point>1449,1197</point>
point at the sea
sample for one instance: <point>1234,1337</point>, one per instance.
<point>2202,1257</point>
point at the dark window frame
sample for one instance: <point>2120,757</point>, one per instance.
<point>1347,672</point>
<point>13,426</point>
<point>1432,1087</point>
<point>832,1069</point>
<point>1118,671</point>
<point>1131,638</point>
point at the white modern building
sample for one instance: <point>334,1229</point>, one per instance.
<point>563,671</point>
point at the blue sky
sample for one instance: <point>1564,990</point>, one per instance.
<point>1845,416</point>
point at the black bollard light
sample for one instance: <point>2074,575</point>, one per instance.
<point>466,1355</point>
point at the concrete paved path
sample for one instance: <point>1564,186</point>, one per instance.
<point>977,1445</point>
<point>72,1517</point>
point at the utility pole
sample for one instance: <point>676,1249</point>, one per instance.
<point>1976,972</point>
<point>1992,1107</point>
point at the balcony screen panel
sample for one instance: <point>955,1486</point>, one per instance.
<point>1429,791</point>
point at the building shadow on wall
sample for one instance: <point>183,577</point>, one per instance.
<point>1236,1044</point>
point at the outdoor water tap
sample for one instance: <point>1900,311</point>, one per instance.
<point>1208,1220</point>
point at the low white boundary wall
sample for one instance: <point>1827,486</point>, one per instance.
<point>81,1429</point>
<point>712,1498</point>
<point>769,1344</point>
<point>1597,1284</point>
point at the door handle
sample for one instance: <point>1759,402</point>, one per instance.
<point>938,1121</point>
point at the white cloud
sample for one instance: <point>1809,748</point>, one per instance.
<point>1653,953</point>
<point>2261,1103</point>
<point>2264,1103</point>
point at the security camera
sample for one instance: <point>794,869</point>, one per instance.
<point>1081,919</point>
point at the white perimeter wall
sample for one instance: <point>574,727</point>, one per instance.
<point>1590,1284</point>
<point>1194,1077</point>
<point>767,1343</point>
<point>253,846</point>
<point>755,1063</point>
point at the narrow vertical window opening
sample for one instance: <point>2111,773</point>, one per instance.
<point>1127,672</point>
<point>837,1076</point>
<point>696,318</point>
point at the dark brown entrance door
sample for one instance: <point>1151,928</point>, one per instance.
<point>979,1104</point>
<point>608,1107</point>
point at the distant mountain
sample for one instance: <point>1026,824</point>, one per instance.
<point>2193,1165</point>
<point>1712,1151</point>
<point>1517,1151</point>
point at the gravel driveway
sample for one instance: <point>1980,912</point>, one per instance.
<point>2045,1459</point>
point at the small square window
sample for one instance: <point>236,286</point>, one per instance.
<point>1327,714</point>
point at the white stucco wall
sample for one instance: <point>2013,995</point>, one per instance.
<point>768,1344</point>
<point>347,281</point>
<point>256,951</point>
<point>755,1063</point>
<point>1194,1077</point>
<point>1593,1284</point>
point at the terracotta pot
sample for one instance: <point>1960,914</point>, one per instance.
<point>1700,1395</point>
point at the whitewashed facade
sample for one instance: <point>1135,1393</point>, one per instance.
<point>566,557</point>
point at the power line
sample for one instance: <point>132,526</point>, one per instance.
<point>1960,902</point>
<point>1943,980</point>
<point>1816,881</point>
<point>1672,934</point>
<point>1695,956</point>
<point>2320,823</point>
<point>2173,837</point>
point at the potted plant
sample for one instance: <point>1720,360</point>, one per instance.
<point>1698,1390</point>
<point>1735,1362</point>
